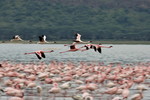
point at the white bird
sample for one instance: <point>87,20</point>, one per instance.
<point>42,39</point>
<point>16,37</point>
<point>66,85</point>
<point>78,39</point>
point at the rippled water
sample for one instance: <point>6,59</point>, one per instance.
<point>119,53</point>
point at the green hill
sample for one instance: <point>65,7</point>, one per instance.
<point>59,19</point>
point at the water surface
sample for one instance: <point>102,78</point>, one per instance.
<point>119,53</point>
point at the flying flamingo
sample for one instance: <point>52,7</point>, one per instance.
<point>16,37</point>
<point>96,47</point>
<point>78,40</point>
<point>40,54</point>
<point>42,39</point>
<point>72,49</point>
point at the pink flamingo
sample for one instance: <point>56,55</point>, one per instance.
<point>55,89</point>
<point>137,96</point>
<point>40,54</point>
<point>72,49</point>
<point>96,47</point>
<point>16,98</point>
<point>65,86</point>
<point>111,91</point>
<point>125,93</point>
<point>13,92</point>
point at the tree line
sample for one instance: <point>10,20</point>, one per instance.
<point>59,19</point>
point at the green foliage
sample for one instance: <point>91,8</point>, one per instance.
<point>59,19</point>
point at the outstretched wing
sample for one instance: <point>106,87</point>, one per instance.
<point>87,48</point>
<point>94,47</point>
<point>44,38</point>
<point>38,56</point>
<point>99,50</point>
<point>43,55</point>
<point>40,38</point>
<point>72,47</point>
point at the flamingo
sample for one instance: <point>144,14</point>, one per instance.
<point>65,86</point>
<point>72,49</point>
<point>96,47</point>
<point>78,39</point>
<point>13,92</point>
<point>16,37</point>
<point>55,89</point>
<point>125,91</point>
<point>87,96</point>
<point>40,54</point>
<point>117,98</point>
<point>39,89</point>
<point>137,96</point>
<point>16,98</point>
<point>42,39</point>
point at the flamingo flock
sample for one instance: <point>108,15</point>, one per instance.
<point>73,81</point>
<point>73,47</point>
<point>82,81</point>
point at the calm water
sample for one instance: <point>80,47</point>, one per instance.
<point>119,53</point>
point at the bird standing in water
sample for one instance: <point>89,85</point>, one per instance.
<point>40,54</point>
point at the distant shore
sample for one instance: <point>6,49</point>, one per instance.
<point>68,42</point>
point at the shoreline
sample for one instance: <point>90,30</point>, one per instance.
<point>69,42</point>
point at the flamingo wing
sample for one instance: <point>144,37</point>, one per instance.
<point>77,37</point>
<point>43,55</point>
<point>95,49</point>
<point>87,48</point>
<point>72,47</point>
<point>99,50</point>
<point>38,56</point>
<point>44,38</point>
<point>40,38</point>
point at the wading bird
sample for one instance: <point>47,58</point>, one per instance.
<point>40,54</point>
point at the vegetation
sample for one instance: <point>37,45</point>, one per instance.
<point>59,19</point>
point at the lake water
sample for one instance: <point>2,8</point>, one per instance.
<point>124,54</point>
<point>119,53</point>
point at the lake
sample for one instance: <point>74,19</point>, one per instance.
<point>118,53</point>
<point>125,54</point>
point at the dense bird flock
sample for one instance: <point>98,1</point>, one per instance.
<point>73,81</point>
<point>82,81</point>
